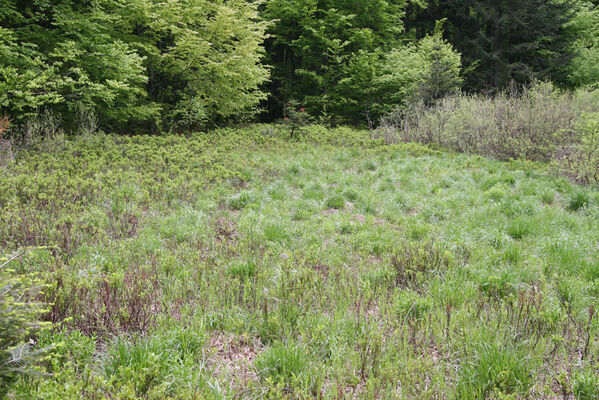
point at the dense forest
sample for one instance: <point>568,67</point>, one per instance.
<point>159,66</point>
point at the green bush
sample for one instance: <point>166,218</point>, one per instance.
<point>580,159</point>
<point>424,72</point>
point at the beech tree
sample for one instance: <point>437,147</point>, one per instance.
<point>138,64</point>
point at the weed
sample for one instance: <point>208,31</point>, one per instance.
<point>585,385</point>
<point>415,263</point>
<point>288,364</point>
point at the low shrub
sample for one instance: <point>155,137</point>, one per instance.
<point>124,301</point>
<point>539,123</point>
<point>580,159</point>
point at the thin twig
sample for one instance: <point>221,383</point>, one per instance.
<point>17,255</point>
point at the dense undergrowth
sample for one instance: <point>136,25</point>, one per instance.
<point>242,264</point>
<point>540,123</point>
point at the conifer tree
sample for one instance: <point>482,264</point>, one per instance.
<point>502,41</point>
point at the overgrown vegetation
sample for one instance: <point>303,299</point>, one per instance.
<point>540,123</point>
<point>246,264</point>
<point>155,243</point>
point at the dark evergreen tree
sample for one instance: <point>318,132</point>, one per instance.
<point>501,41</point>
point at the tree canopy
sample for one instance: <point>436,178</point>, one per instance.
<point>176,65</point>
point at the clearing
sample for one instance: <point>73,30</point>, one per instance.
<point>244,264</point>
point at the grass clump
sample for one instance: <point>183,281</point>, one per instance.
<point>578,200</point>
<point>548,197</point>
<point>335,202</point>
<point>240,201</point>
<point>243,270</point>
<point>585,385</point>
<point>288,366</point>
<point>275,232</point>
<point>351,194</point>
<point>521,227</point>
<point>495,371</point>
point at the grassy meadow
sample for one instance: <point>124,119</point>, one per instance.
<point>243,264</point>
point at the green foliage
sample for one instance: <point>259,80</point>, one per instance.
<point>578,200</point>
<point>81,60</point>
<point>20,312</point>
<point>585,385</point>
<point>204,59</point>
<point>426,71</point>
<point>502,41</point>
<point>323,52</point>
<point>521,227</point>
<point>584,67</point>
<point>156,367</point>
<point>164,288</point>
<point>295,117</point>
<point>494,371</point>
<point>26,80</point>
<point>580,160</point>
<point>240,200</point>
<point>336,202</point>
<point>288,366</point>
<point>135,63</point>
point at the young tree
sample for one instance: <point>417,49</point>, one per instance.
<point>424,72</point>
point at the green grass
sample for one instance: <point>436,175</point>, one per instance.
<point>241,265</point>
